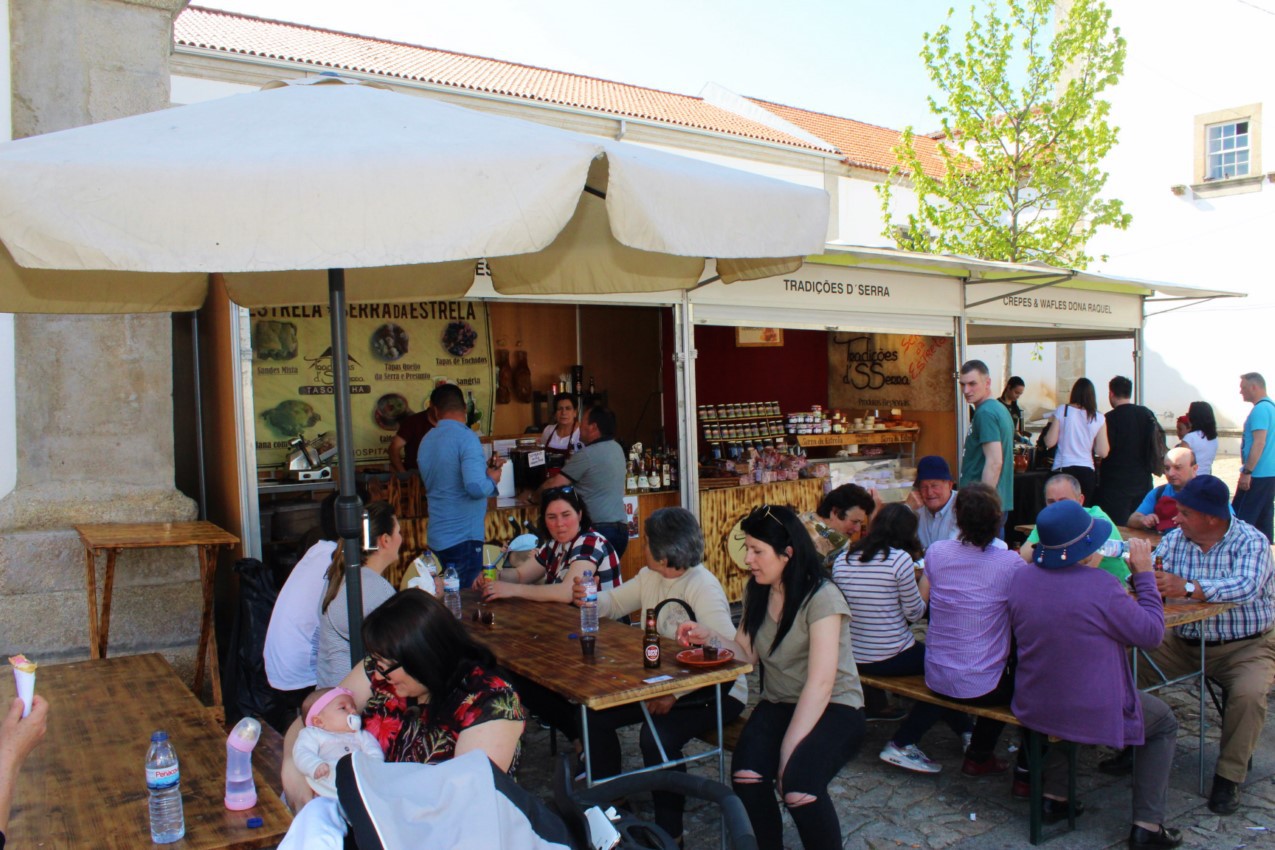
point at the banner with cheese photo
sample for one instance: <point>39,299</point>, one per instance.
<point>398,353</point>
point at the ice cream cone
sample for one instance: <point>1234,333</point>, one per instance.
<point>24,680</point>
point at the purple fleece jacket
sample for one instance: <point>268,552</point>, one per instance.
<point>1072,626</point>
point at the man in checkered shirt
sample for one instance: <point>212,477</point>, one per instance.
<point>1213,557</point>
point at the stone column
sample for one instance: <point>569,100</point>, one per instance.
<point>1069,366</point>
<point>94,393</point>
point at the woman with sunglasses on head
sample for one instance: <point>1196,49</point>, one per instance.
<point>572,547</point>
<point>563,434</point>
<point>809,721</point>
<point>426,691</point>
<point>334,614</point>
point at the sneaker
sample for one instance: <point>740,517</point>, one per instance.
<point>889,713</point>
<point>984,767</point>
<point>909,758</point>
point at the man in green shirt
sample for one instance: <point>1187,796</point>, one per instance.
<point>1065,488</point>
<point>989,446</point>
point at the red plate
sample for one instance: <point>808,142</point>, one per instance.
<point>695,658</point>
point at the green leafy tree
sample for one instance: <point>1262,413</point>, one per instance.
<point>1024,131</point>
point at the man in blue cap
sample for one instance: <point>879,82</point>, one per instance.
<point>933,499</point>
<point>1213,557</point>
<point>1072,624</point>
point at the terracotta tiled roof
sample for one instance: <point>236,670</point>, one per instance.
<point>245,35</point>
<point>864,145</point>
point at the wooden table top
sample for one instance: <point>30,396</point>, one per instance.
<point>84,786</point>
<point>536,640</point>
<point>1179,612</point>
<point>152,535</point>
<point>1152,537</point>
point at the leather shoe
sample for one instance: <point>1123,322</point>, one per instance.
<point>1224,799</point>
<point>1164,837</point>
<point>1054,811</point>
<point>1121,764</point>
<point>983,767</point>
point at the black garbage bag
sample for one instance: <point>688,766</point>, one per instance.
<point>245,689</point>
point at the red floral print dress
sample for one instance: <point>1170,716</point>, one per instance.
<point>426,733</point>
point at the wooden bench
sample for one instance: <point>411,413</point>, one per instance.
<point>914,688</point>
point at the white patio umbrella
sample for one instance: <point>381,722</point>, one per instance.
<point>304,193</point>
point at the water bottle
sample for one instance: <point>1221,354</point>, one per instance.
<point>589,606</point>
<point>1114,549</point>
<point>163,781</point>
<point>241,791</point>
<point>451,590</point>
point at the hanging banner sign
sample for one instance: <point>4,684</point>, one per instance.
<point>398,353</point>
<point>1054,306</point>
<point>885,371</point>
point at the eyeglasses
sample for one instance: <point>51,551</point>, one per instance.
<point>761,512</point>
<point>374,665</point>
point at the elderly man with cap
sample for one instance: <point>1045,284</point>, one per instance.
<point>1066,488</point>
<point>933,498</point>
<point>1213,557</point>
<point>1072,625</point>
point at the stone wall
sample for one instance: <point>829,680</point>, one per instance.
<point>94,393</point>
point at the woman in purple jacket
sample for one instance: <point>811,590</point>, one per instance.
<point>1073,622</point>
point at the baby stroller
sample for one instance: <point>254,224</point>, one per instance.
<point>468,802</point>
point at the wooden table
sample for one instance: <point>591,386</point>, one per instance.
<point>84,786</point>
<point>113,538</point>
<point>538,640</point>
<point>1127,533</point>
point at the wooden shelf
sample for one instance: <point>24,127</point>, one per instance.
<point>883,438</point>
<point>710,420</point>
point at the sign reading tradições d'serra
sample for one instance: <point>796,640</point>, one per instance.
<point>868,371</point>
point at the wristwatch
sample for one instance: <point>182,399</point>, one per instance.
<point>1244,470</point>
<point>1189,588</point>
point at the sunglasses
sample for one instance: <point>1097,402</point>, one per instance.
<point>761,512</point>
<point>556,493</point>
<point>374,665</point>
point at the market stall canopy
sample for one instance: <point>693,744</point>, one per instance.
<point>406,193</point>
<point>1026,302</point>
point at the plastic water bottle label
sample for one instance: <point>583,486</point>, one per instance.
<point>161,778</point>
<point>451,584</point>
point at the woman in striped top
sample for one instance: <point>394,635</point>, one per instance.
<point>877,576</point>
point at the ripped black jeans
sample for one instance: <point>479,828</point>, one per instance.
<point>831,743</point>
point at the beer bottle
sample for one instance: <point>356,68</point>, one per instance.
<point>651,643</point>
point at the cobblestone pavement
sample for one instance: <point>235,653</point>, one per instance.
<point>886,808</point>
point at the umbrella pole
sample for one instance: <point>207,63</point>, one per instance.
<point>349,509</point>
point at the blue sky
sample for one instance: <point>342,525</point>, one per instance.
<point>854,58</point>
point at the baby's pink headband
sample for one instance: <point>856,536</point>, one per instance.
<point>322,703</point>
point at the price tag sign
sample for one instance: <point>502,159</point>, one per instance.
<point>536,459</point>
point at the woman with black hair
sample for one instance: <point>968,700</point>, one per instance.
<point>1014,389</point>
<point>427,691</point>
<point>809,721</point>
<point>571,547</point>
<point>1079,431</point>
<point>1201,436</point>
<point>878,579</point>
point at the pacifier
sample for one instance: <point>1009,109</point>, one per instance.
<point>354,721</point>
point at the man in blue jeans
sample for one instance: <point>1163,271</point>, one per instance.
<point>458,483</point>
<point>1255,492</point>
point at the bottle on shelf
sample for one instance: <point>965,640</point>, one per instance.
<point>631,482</point>
<point>592,388</point>
<point>163,782</point>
